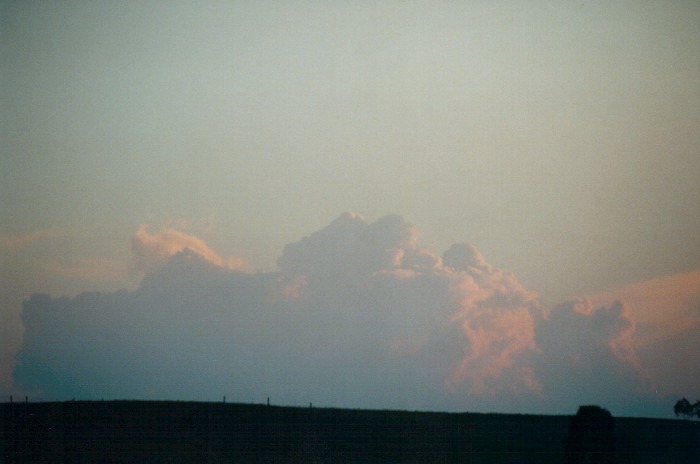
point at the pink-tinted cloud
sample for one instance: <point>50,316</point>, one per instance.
<point>359,314</point>
<point>663,307</point>
<point>152,251</point>
<point>667,312</point>
<point>486,306</point>
<point>496,316</point>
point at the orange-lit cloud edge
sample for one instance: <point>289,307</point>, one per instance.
<point>662,307</point>
<point>153,250</point>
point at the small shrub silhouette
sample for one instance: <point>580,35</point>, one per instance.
<point>591,437</point>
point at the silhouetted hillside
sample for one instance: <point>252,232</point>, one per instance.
<point>188,432</point>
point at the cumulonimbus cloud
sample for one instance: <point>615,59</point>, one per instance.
<point>359,314</point>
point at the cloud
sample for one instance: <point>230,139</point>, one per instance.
<point>152,251</point>
<point>351,247</point>
<point>359,314</point>
<point>497,317</point>
<point>587,354</point>
<point>663,307</point>
<point>18,278</point>
<point>12,243</point>
<point>667,312</point>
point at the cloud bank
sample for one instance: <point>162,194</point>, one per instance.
<point>358,315</point>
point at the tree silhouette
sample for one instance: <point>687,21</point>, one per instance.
<point>682,408</point>
<point>591,437</point>
<point>687,410</point>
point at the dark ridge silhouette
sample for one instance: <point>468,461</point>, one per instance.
<point>192,432</point>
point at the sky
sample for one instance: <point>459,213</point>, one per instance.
<point>487,206</point>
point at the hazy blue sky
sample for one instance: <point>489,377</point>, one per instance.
<point>561,139</point>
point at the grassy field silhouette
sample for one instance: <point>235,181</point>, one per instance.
<point>197,432</point>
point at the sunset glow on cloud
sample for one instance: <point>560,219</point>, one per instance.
<point>454,331</point>
<point>666,305</point>
<point>152,251</point>
<point>667,315</point>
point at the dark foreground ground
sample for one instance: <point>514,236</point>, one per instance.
<point>187,432</point>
